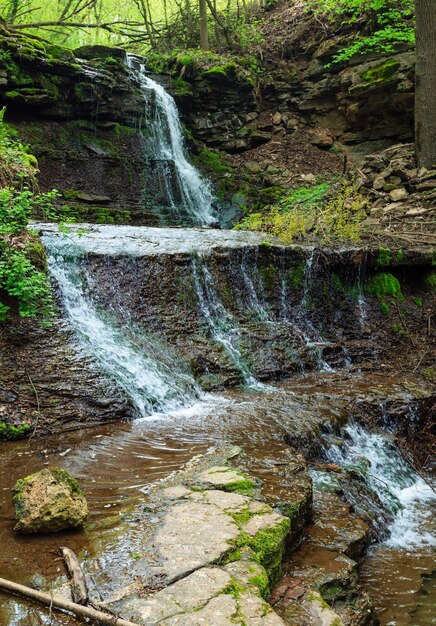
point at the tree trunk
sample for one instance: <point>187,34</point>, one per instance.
<point>425,87</point>
<point>204,39</point>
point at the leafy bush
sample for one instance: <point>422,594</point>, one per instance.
<point>384,24</point>
<point>331,215</point>
<point>23,281</point>
<point>17,166</point>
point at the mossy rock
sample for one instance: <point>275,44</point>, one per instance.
<point>227,479</point>
<point>12,432</point>
<point>100,52</point>
<point>385,284</point>
<point>48,501</point>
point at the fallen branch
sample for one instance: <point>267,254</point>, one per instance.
<point>49,600</point>
<point>79,589</point>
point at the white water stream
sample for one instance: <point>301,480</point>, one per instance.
<point>410,499</point>
<point>186,191</point>
<point>151,383</point>
<point>221,323</point>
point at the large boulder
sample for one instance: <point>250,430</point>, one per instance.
<point>48,501</point>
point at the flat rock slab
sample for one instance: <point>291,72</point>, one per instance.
<point>216,551</point>
<point>211,596</point>
<point>184,596</point>
<point>223,477</point>
<point>193,534</point>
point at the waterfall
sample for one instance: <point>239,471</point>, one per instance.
<point>184,190</point>
<point>150,383</point>
<point>222,326</point>
<point>397,485</point>
<point>256,305</point>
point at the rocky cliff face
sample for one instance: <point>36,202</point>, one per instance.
<point>371,100</point>
<point>81,116</point>
<point>239,312</point>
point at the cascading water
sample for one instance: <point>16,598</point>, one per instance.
<point>151,384</point>
<point>221,323</point>
<point>181,186</point>
<point>256,304</point>
<point>396,484</point>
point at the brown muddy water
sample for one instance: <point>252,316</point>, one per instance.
<point>116,463</point>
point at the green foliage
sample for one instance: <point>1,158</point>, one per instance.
<point>430,280</point>
<point>23,282</point>
<point>295,276</point>
<point>213,162</point>
<point>17,166</point>
<point>384,308</point>
<point>386,24</point>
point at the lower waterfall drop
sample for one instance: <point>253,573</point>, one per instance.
<point>221,323</point>
<point>151,384</point>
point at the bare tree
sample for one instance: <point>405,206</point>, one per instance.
<point>425,90</point>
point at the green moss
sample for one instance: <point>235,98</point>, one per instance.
<point>381,73</point>
<point>399,255</point>
<point>242,517</point>
<point>262,583</point>
<point>234,589</point>
<point>268,547</point>
<point>244,487</point>
<point>182,87</point>
<point>429,373</point>
<point>59,52</point>
<point>417,301</point>
<point>295,276</point>
<point>384,257</point>
<point>337,282</point>
<point>384,308</point>
<point>11,95</point>
<point>10,433</point>
<point>291,510</point>
<point>383,284</point>
<point>62,476</point>
<point>221,71</point>
<point>430,280</point>
<point>332,591</point>
<point>268,275</point>
<point>184,58</point>
<point>213,162</point>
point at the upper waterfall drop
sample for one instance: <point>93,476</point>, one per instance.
<point>181,186</point>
